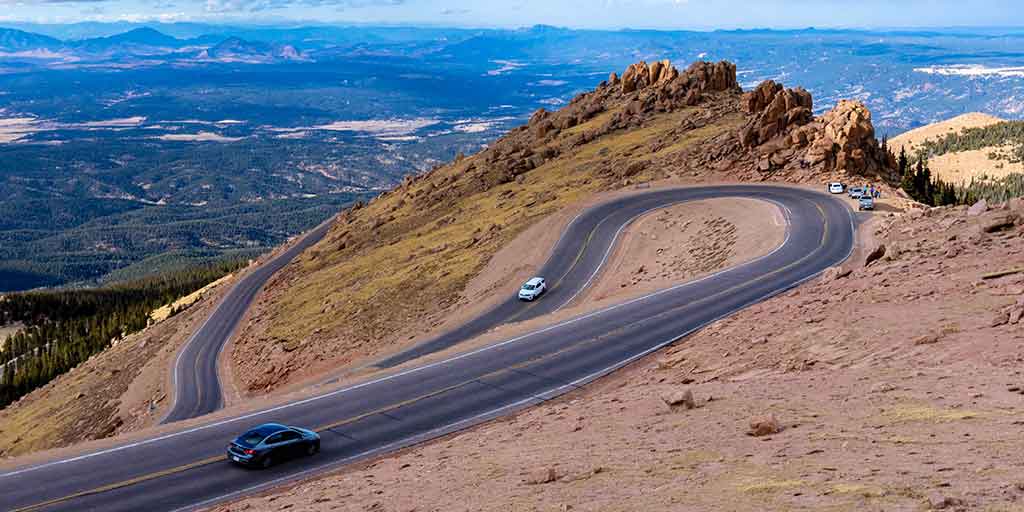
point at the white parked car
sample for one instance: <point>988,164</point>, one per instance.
<point>533,288</point>
<point>836,188</point>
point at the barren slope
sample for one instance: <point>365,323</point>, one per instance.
<point>896,387</point>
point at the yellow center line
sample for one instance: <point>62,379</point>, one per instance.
<point>125,483</point>
<point>576,261</point>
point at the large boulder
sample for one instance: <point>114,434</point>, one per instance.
<point>764,426</point>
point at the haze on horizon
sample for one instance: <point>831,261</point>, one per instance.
<point>598,14</point>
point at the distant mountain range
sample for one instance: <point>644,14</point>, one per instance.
<point>139,42</point>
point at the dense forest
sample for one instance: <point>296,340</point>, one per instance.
<point>149,240</point>
<point>66,327</point>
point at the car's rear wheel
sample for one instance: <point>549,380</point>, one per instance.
<point>266,462</point>
<point>312,449</point>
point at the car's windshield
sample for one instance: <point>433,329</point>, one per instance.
<point>528,286</point>
<point>250,438</point>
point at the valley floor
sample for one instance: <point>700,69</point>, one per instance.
<point>894,387</point>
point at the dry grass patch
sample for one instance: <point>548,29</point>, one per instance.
<point>865,491</point>
<point>769,485</point>
<point>925,413</point>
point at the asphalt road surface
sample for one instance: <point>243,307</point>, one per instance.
<point>197,387</point>
<point>187,469</point>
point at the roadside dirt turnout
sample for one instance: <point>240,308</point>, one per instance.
<point>891,385</point>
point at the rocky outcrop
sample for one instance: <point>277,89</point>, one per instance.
<point>642,75</point>
<point>846,140</point>
<point>774,111</point>
<point>645,89</point>
<point>786,136</point>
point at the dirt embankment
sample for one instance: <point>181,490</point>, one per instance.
<point>888,386</point>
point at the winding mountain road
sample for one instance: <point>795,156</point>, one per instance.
<point>197,389</point>
<point>186,469</point>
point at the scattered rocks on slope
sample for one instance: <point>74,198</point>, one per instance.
<point>939,501</point>
<point>998,221</point>
<point>874,254</point>
<point>1000,318</point>
<point>835,273</point>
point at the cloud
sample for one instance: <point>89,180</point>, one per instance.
<point>229,6</point>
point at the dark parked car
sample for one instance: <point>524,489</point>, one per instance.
<point>272,442</point>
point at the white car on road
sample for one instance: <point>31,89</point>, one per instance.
<point>533,288</point>
<point>836,188</point>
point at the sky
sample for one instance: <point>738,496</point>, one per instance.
<point>597,14</point>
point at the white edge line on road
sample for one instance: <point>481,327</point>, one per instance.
<point>396,375</point>
<point>184,348</point>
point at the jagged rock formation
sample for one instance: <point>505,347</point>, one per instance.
<point>774,110</point>
<point>642,90</point>
<point>779,138</point>
<point>786,136</point>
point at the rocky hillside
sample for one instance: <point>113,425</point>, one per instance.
<point>391,271</point>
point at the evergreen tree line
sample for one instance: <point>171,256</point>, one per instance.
<point>65,327</point>
<point>917,181</point>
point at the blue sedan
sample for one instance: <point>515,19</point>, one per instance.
<point>272,442</point>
